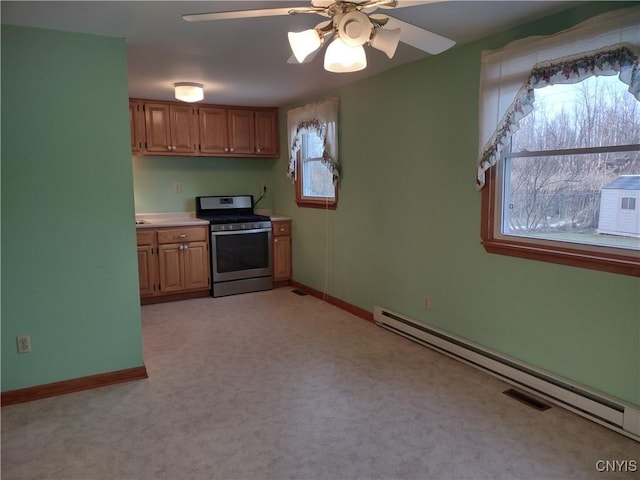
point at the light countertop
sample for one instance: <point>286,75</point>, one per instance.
<point>172,219</point>
<point>182,219</point>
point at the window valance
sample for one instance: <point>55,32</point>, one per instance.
<point>321,118</point>
<point>608,44</point>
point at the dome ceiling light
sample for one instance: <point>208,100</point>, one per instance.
<point>189,91</point>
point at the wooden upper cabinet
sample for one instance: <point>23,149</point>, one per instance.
<point>136,123</point>
<point>213,130</point>
<point>241,132</point>
<point>171,128</point>
<point>184,129</point>
<point>267,141</point>
<point>158,127</point>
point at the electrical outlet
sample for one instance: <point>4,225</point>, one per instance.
<point>264,188</point>
<point>177,187</point>
<point>24,344</point>
<point>427,302</point>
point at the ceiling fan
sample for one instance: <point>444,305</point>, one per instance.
<point>351,25</point>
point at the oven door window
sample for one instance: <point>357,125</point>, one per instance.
<point>242,251</point>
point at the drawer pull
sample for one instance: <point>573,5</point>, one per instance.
<point>183,235</point>
<point>283,229</point>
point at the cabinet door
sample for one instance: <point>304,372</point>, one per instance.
<point>213,130</point>
<point>171,268</point>
<point>184,129</point>
<point>196,265</point>
<point>241,132</point>
<point>281,258</point>
<point>158,127</point>
<point>267,141</point>
<point>146,270</point>
<point>136,123</point>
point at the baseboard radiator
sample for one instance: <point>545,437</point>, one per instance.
<point>595,406</point>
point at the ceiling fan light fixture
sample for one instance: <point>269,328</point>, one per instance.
<point>304,43</point>
<point>341,58</point>
<point>189,91</point>
<point>386,40</point>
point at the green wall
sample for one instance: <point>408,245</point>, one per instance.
<point>154,179</point>
<point>69,268</point>
<point>408,225</point>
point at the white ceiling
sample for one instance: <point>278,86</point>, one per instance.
<point>244,62</point>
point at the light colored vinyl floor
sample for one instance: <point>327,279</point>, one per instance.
<point>273,385</point>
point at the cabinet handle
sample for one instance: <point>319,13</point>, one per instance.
<point>169,147</point>
<point>282,229</point>
<point>186,247</point>
<point>226,149</point>
<point>181,247</point>
<point>183,235</point>
<point>275,240</point>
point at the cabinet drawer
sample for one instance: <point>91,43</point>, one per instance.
<point>281,228</point>
<point>146,237</point>
<point>176,235</point>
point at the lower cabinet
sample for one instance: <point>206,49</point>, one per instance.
<point>147,262</point>
<point>182,266</point>
<point>281,231</point>
<point>173,261</point>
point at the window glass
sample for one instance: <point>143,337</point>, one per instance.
<point>628,203</point>
<point>598,111</point>
<point>315,180</point>
<point>573,185</point>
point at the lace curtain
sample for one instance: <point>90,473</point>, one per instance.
<point>608,44</point>
<point>321,118</point>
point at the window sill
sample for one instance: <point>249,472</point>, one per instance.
<point>625,265</point>
<point>323,204</point>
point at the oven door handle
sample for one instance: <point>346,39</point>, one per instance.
<point>236,232</point>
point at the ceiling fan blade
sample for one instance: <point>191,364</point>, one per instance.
<point>409,3</point>
<point>308,59</point>
<point>206,17</point>
<point>424,40</point>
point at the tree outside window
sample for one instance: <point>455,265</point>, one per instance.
<point>561,146</point>
<point>314,180</point>
<point>557,195</point>
<point>313,159</point>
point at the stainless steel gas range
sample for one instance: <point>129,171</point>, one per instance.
<point>241,258</point>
